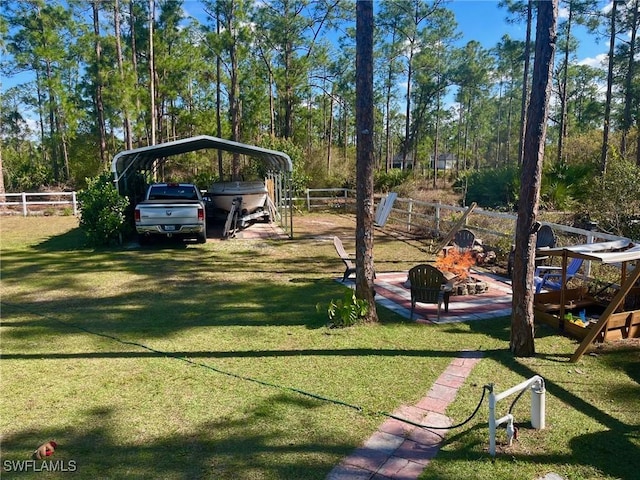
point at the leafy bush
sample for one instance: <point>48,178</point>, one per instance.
<point>27,176</point>
<point>299,179</point>
<point>614,200</point>
<point>385,181</point>
<point>565,185</point>
<point>102,210</point>
<point>493,188</point>
<point>347,311</point>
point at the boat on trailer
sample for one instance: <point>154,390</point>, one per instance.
<point>253,194</point>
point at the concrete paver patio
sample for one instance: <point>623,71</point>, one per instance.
<point>496,302</point>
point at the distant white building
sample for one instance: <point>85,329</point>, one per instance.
<point>446,161</point>
<point>403,165</point>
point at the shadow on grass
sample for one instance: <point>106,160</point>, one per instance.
<point>73,239</point>
<point>190,354</point>
<point>179,304</point>
<point>612,452</point>
<point>596,449</point>
<point>253,446</point>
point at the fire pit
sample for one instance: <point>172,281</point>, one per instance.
<point>459,263</point>
<point>469,286</point>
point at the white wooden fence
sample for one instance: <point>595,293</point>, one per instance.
<point>26,201</point>
<point>415,215</point>
<point>409,214</point>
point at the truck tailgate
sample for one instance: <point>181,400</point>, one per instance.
<point>152,213</point>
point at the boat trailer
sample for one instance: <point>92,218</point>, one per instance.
<point>236,220</point>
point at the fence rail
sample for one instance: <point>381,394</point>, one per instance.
<point>409,214</point>
<point>437,218</point>
<point>22,201</point>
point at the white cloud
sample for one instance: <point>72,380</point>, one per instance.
<point>563,12</point>
<point>599,61</point>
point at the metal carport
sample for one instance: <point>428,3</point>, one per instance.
<point>127,165</point>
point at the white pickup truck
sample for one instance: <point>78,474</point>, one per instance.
<point>171,210</point>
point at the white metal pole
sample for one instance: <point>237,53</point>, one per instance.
<point>492,421</point>
<point>538,406</point>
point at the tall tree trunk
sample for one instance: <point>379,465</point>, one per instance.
<point>466,134</point>
<point>407,121</point>
<point>288,93</point>
<point>525,83</point>
<point>562,131</point>
<point>436,136</point>
<point>128,135</point>
<point>387,128</point>
<point>152,72</point>
<point>522,333</point>
<point>638,140</point>
<point>219,97</point>
<point>364,162</point>
<point>55,157</point>
<point>97,45</point>
<point>234,104</point>
<point>2,190</point>
<point>330,131</point>
<point>134,58</point>
<point>509,122</point>
<point>607,105</point>
<point>41,102</point>
<point>459,138</point>
<point>627,121</point>
<point>499,125</point>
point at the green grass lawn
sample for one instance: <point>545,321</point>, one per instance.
<point>188,362</point>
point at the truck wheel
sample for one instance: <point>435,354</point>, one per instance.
<point>144,240</point>
<point>202,238</point>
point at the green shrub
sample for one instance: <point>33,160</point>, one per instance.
<point>102,210</point>
<point>385,181</point>
<point>347,311</point>
<point>564,186</point>
<point>299,178</point>
<point>493,188</point>
<point>614,199</point>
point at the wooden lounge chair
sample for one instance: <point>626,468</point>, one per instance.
<point>552,279</point>
<point>463,241</point>
<point>546,238</point>
<point>350,267</point>
<point>428,285</point>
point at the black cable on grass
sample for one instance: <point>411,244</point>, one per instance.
<point>249,379</point>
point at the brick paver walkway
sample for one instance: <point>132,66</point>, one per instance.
<point>399,450</point>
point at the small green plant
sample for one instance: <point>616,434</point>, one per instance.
<point>347,311</point>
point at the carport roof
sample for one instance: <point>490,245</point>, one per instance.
<point>143,158</point>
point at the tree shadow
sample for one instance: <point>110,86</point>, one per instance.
<point>246,446</point>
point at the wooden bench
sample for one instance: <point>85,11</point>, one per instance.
<point>346,258</point>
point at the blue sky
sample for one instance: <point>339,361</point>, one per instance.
<point>480,20</point>
<point>484,21</point>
